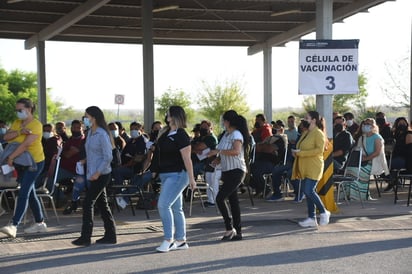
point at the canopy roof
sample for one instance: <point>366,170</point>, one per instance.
<point>251,23</point>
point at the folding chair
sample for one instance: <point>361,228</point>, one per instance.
<point>350,176</point>
<point>201,184</point>
<point>402,177</point>
<point>285,180</point>
<point>116,191</point>
<point>389,146</point>
<point>44,192</point>
<point>7,185</point>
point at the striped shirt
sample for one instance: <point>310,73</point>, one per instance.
<point>226,143</point>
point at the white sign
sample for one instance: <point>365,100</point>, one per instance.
<point>119,99</point>
<point>328,67</point>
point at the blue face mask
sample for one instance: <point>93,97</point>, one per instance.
<point>134,133</point>
<point>3,131</point>
<point>86,122</point>
<point>22,115</point>
<point>115,133</point>
<point>366,128</point>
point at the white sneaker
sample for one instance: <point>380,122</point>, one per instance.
<point>36,228</point>
<point>181,245</point>
<point>166,246</point>
<point>324,218</point>
<point>121,202</point>
<point>9,230</point>
<point>309,222</point>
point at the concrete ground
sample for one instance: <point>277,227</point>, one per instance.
<point>376,238</point>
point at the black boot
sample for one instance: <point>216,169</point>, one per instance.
<point>82,241</point>
<point>72,207</point>
<point>107,240</point>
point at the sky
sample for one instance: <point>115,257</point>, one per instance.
<point>81,74</point>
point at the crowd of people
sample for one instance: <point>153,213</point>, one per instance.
<point>98,154</point>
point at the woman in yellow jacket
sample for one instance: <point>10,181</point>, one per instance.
<point>308,168</point>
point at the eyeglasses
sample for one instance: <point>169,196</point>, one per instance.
<point>19,110</point>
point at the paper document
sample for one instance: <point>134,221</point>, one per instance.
<point>203,155</point>
<point>6,169</point>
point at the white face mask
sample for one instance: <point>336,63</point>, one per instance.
<point>134,133</point>
<point>22,115</point>
<point>115,133</point>
<point>349,123</point>
<point>47,135</point>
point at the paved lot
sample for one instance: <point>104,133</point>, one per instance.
<point>376,238</point>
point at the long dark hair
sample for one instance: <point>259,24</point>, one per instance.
<point>239,122</point>
<point>98,115</point>
<point>321,124</point>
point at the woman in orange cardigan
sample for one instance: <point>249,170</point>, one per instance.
<point>308,168</point>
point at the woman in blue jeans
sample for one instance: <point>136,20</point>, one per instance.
<point>172,160</point>
<point>27,132</point>
<point>308,168</point>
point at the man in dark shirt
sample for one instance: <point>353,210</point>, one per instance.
<point>351,125</point>
<point>384,127</point>
<point>342,143</point>
<point>71,154</point>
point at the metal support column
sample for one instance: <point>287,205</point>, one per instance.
<point>324,21</point>
<point>41,82</point>
<point>148,70</point>
<point>410,81</point>
<point>267,82</point>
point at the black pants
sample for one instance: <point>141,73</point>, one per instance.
<point>231,181</point>
<point>96,194</point>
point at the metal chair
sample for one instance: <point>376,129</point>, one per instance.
<point>389,146</point>
<point>403,177</point>
<point>350,176</point>
<point>201,184</point>
<point>137,193</point>
<point>44,192</point>
<point>285,180</point>
<point>7,185</point>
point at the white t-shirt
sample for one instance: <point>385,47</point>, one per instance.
<point>226,143</point>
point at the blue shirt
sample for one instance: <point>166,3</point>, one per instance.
<point>98,152</point>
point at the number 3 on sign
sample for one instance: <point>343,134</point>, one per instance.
<point>331,81</point>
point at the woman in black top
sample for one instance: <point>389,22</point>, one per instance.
<point>173,163</point>
<point>401,154</point>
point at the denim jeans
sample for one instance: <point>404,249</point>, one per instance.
<point>79,185</point>
<point>170,204</point>
<point>96,194</point>
<point>277,173</point>
<point>231,181</point>
<point>139,181</point>
<point>27,195</point>
<point>121,173</point>
<point>312,198</point>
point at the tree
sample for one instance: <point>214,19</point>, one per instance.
<point>344,102</point>
<point>174,98</point>
<point>396,86</point>
<point>214,101</point>
<point>19,84</point>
